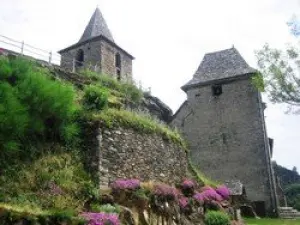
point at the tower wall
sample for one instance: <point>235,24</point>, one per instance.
<point>92,55</point>
<point>227,137</point>
<point>99,53</point>
<point>108,53</point>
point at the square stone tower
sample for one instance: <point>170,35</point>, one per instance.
<point>223,122</point>
<point>96,50</point>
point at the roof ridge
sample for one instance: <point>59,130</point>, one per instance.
<point>224,50</point>
<point>96,26</point>
<point>220,65</point>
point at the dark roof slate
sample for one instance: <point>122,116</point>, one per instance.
<point>96,27</point>
<point>219,65</point>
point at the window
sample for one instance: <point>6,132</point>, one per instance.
<point>79,58</point>
<point>118,65</point>
<point>216,90</point>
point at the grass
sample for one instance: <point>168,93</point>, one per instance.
<point>55,180</point>
<point>267,221</point>
<point>199,176</point>
<point>138,122</point>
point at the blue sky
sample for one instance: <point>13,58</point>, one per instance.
<point>168,39</point>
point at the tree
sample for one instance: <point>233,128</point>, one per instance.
<point>295,169</point>
<point>280,71</point>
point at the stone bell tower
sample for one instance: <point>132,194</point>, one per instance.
<point>96,50</point>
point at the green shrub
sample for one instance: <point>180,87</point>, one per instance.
<point>216,218</point>
<point>132,92</point>
<point>108,208</point>
<point>33,106</point>
<point>128,90</point>
<point>95,98</point>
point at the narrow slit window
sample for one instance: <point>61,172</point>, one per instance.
<point>118,65</point>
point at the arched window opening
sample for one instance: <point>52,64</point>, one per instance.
<point>118,65</point>
<point>79,58</point>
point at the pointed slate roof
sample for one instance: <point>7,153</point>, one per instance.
<point>96,27</point>
<point>219,65</point>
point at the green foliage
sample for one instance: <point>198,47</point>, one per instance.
<point>258,82</point>
<point>280,70</point>
<point>292,193</point>
<point>127,90</point>
<point>55,180</point>
<point>216,218</point>
<point>33,106</point>
<point>108,208</point>
<point>95,98</point>
<point>268,221</point>
<point>14,119</point>
<point>12,214</point>
<point>141,123</point>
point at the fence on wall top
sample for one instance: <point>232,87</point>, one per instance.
<point>53,58</point>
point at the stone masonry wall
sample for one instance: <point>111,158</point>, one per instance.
<point>125,153</point>
<point>108,53</point>
<point>227,138</point>
<point>102,54</point>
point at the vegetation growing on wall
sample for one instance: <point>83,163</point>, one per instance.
<point>125,91</point>
<point>42,173</point>
<point>141,123</point>
<point>56,180</point>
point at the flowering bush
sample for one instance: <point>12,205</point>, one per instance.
<point>199,197</point>
<point>101,218</point>
<point>165,191</point>
<point>223,191</point>
<point>187,187</point>
<point>187,184</point>
<point>129,184</point>
<point>211,194</point>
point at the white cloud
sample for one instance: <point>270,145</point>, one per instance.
<point>168,39</point>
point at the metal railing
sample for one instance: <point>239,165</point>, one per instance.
<point>52,58</point>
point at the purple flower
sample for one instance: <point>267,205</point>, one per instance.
<point>183,202</point>
<point>188,184</point>
<point>199,197</point>
<point>101,218</point>
<point>130,184</point>
<point>167,191</point>
<point>211,194</point>
<point>223,191</point>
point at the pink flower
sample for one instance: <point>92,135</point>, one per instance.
<point>101,218</point>
<point>130,184</point>
<point>199,197</point>
<point>223,191</point>
<point>188,184</point>
<point>167,191</point>
<point>183,202</point>
<point>211,194</point>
